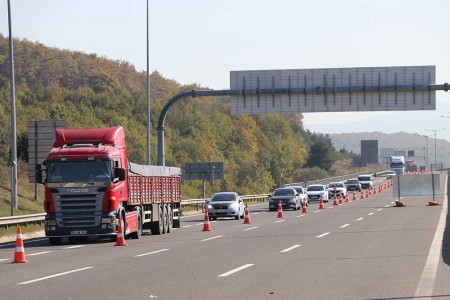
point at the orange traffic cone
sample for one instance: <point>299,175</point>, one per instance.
<point>362,195</point>
<point>19,253</point>
<point>280,210</point>
<point>340,199</point>
<point>374,189</point>
<point>321,203</point>
<point>120,239</point>
<point>335,200</point>
<point>346,197</point>
<point>354,196</point>
<point>247,215</point>
<point>370,191</point>
<point>304,208</point>
<point>367,193</point>
<point>206,225</point>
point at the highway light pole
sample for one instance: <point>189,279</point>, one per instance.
<point>148,96</point>
<point>435,133</point>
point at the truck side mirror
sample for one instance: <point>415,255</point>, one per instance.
<point>38,174</point>
<point>119,173</point>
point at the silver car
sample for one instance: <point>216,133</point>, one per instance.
<point>226,204</point>
<point>288,196</point>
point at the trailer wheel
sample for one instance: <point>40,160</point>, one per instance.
<point>165,219</point>
<point>169,219</point>
<point>55,240</point>
<point>138,233</point>
<point>157,227</point>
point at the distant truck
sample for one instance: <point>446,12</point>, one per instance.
<point>411,166</point>
<point>397,164</point>
<point>89,184</point>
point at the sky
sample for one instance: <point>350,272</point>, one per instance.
<point>201,41</point>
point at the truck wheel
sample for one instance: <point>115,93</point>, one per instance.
<point>137,235</point>
<point>165,219</point>
<point>169,219</point>
<point>157,227</point>
<point>55,240</point>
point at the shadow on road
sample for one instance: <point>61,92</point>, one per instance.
<point>446,240</point>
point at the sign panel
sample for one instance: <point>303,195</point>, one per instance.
<point>40,142</point>
<point>203,170</point>
<point>416,185</point>
<point>334,90</point>
<point>369,151</point>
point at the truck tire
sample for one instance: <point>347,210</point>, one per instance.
<point>137,235</point>
<point>55,240</point>
<point>170,219</point>
<point>165,219</point>
<point>157,227</point>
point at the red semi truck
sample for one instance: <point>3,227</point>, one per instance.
<point>89,184</point>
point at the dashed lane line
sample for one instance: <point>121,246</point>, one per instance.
<point>212,238</point>
<point>359,219</point>
<point>345,225</point>
<point>290,248</point>
<point>199,224</point>
<point>300,216</point>
<point>279,221</point>
<point>251,228</point>
<point>387,205</point>
<point>317,211</point>
<point>370,214</point>
<point>55,275</point>
<point>3,259</point>
<point>323,234</point>
<point>380,209</point>
<point>150,253</point>
<point>39,253</point>
<point>75,247</point>
<point>235,270</point>
<point>330,207</point>
<point>187,226</point>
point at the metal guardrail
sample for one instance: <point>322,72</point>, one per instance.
<point>325,181</point>
<point>39,218</point>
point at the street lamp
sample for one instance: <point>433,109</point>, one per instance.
<point>435,130</point>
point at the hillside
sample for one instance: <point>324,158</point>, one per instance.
<point>88,91</point>
<point>410,141</point>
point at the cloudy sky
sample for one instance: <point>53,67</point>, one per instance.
<point>200,41</point>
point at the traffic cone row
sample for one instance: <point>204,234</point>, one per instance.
<point>247,215</point>
<point>206,225</point>
<point>19,253</point>
<point>280,210</point>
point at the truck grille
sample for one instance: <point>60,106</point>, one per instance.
<point>76,207</point>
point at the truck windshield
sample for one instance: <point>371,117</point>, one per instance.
<point>396,165</point>
<point>79,173</point>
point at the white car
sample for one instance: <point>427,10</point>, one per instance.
<point>390,174</point>
<point>302,193</point>
<point>338,189</point>
<point>226,204</point>
<point>315,191</point>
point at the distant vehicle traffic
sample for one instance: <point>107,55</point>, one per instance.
<point>390,174</point>
<point>315,191</point>
<point>411,166</point>
<point>226,204</point>
<point>302,193</point>
<point>337,189</point>
<point>288,196</point>
<point>366,181</point>
<point>353,185</point>
<point>397,164</point>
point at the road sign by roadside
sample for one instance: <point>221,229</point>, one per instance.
<point>334,90</point>
<point>203,170</point>
<point>40,142</point>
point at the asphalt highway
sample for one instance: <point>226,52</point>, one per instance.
<point>365,249</point>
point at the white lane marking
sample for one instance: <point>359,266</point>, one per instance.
<point>323,234</point>
<point>426,283</point>
<point>186,226</point>
<point>380,209</point>
<point>213,221</point>
<point>359,219</point>
<point>251,228</point>
<point>387,205</point>
<point>345,225</point>
<point>3,259</point>
<point>255,213</point>
<point>199,224</point>
<point>330,207</point>
<point>392,202</point>
<point>300,216</point>
<point>279,221</point>
<point>75,247</point>
<point>150,253</point>
<point>212,238</point>
<point>290,248</point>
<point>235,270</point>
<point>370,214</point>
<point>39,253</point>
<point>317,211</point>
<point>55,275</point>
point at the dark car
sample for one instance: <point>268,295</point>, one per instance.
<point>353,185</point>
